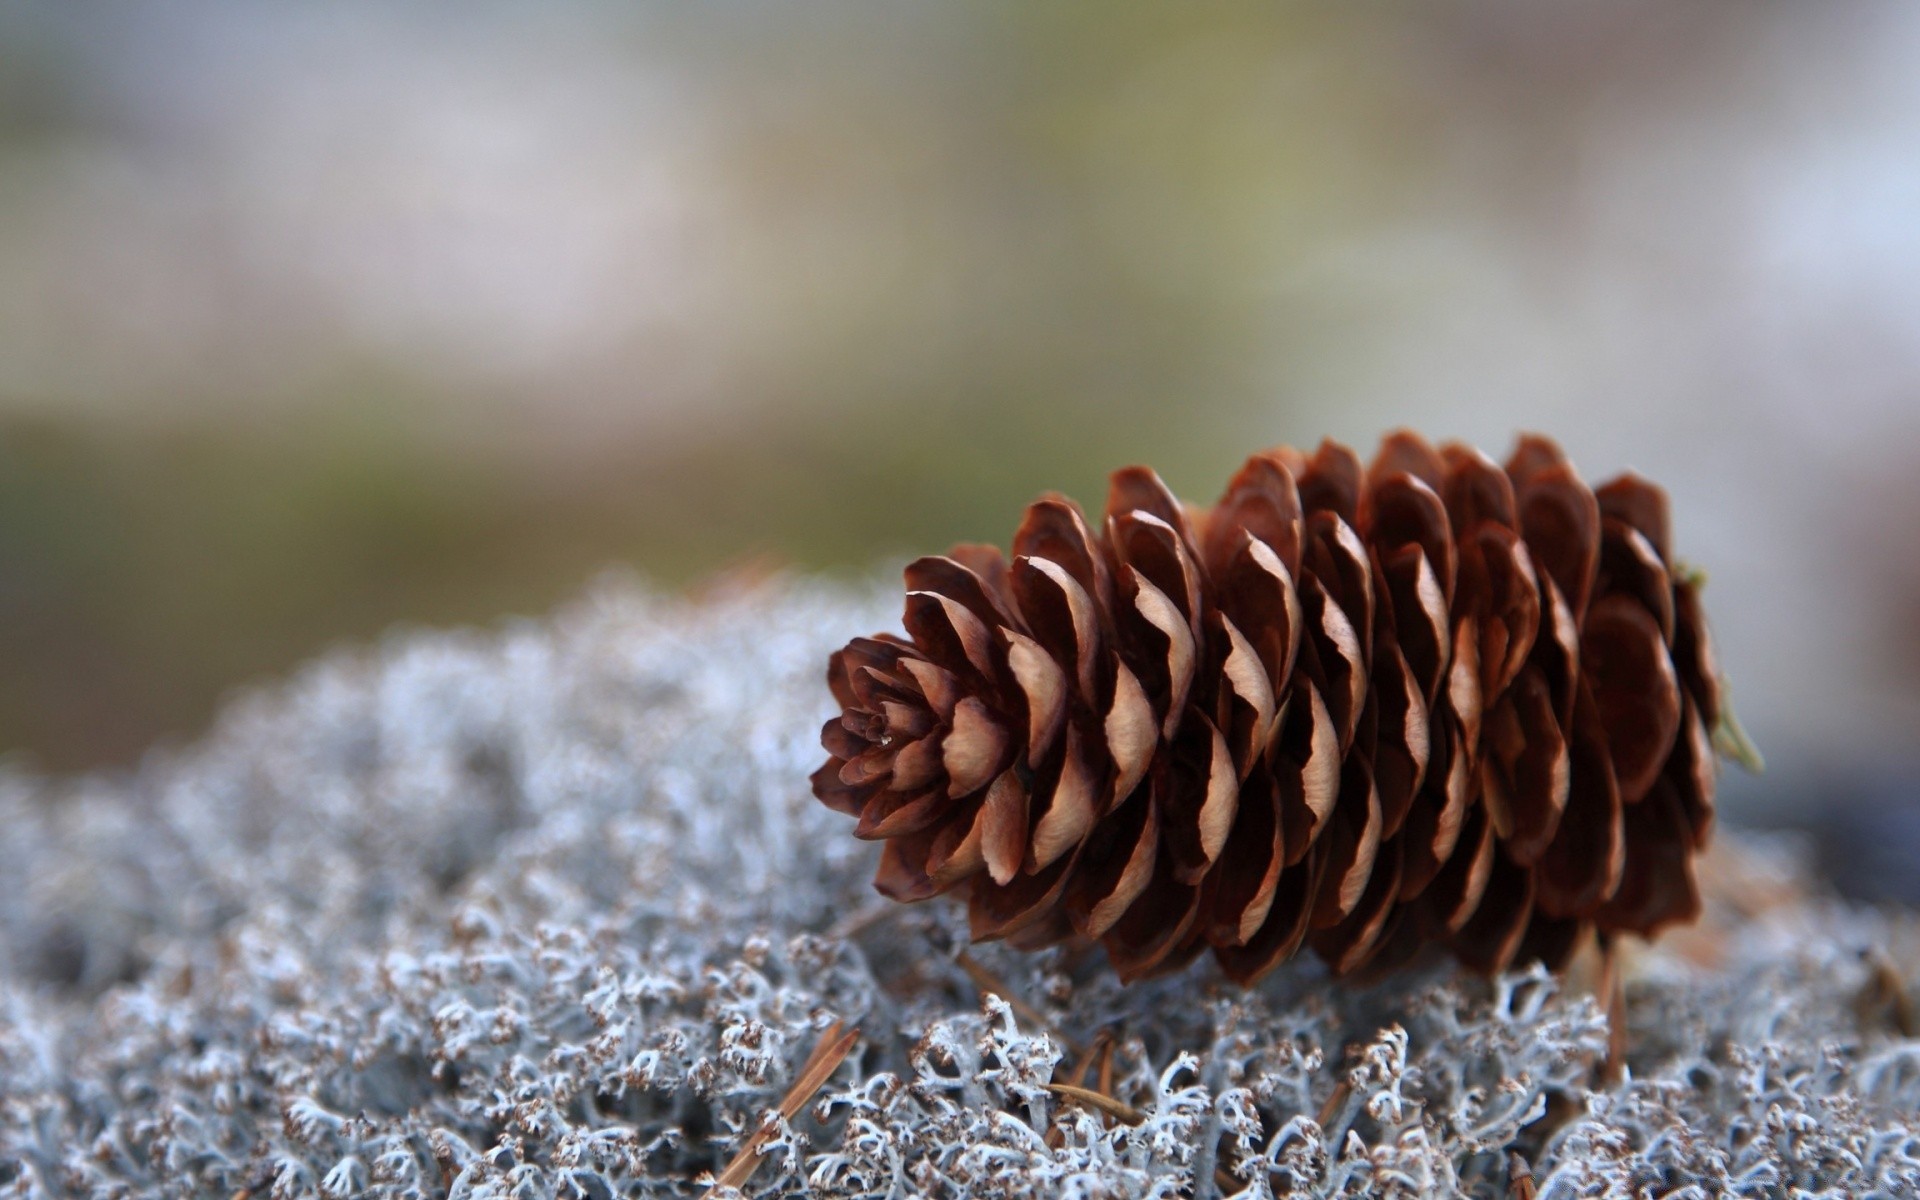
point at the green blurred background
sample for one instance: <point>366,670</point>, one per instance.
<point>317,318</point>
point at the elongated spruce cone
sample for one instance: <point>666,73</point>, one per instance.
<point>1364,708</point>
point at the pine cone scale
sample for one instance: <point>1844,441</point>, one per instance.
<point>1120,868</point>
<point>1074,805</point>
<point>1635,688</point>
<point>1061,617</point>
<point>1043,687</point>
<point>1581,867</point>
<point>1003,827</point>
<point>1247,881</point>
<point>1349,944</point>
<point>1248,713</point>
<point>1352,843</point>
<point>1402,746</point>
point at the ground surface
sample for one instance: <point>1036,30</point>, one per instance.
<point>548,911</point>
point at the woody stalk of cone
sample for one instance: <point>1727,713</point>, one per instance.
<point>1430,701</point>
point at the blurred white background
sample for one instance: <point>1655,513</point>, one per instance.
<point>317,317</point>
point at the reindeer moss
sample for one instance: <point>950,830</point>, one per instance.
<point>549,912</point>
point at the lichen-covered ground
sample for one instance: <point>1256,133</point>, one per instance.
<point>549,912</point>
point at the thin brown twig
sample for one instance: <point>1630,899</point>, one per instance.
<point>1119,1110</point>
<point>828,1053</point>
<point>1613,987</point>
<point>1102,1045</point>
<point>1076,1076</point>
<point>985,980</point>
<point>1886,997</point>
<point>1520,1179</point>
<point>859,922</point>
<point>1334,1103</point>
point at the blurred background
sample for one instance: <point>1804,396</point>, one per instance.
<point>316,318</point>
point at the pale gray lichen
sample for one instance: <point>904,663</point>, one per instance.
<point>549,912</point>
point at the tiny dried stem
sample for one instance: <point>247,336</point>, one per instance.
<point>1117,1109</point>
<point>1102,1050</point>
<point>1731,740</point>
<point>1520,1179</point>
<point>1886,995</point>
<point>857,923</point>
<point>1335,1101</point>
<point>1613,987</point>
<point>1102,1053</point>
<point>985,980</point>
<point>828,1053</point>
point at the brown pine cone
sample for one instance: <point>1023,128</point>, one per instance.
<point>1427,701</point>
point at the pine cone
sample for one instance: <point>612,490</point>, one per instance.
<point>1429,701</point>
